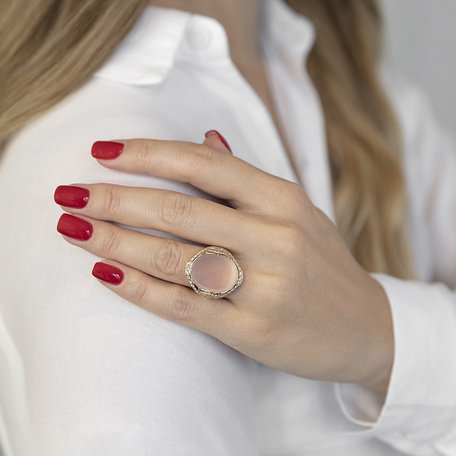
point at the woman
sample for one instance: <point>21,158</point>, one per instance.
<point>334,342</point>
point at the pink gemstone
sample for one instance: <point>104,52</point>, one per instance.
<point>214,273</point>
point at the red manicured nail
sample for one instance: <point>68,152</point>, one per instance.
<point>74,227</point>
<point>106,150</point>
<point>71,196</point>
<point>107,273</point>
<point>224,141</point>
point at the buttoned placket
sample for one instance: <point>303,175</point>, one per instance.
<point>287,41</point>
<point>205,43</point>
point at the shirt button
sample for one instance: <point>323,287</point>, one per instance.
<point>200,39</point>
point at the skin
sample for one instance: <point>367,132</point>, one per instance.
<point>305,305</point>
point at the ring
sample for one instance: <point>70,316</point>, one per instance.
<point>213,272</point>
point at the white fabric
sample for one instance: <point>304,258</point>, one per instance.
<point>84,372</point>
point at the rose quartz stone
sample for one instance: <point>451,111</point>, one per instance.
<point>215,273</point>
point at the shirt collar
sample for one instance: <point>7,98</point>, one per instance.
<point>289,32</point>
<point>147,53</point>
<point>161,34</point>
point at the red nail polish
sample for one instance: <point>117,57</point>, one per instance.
<point>106,150</point>
<point>107,273</point>
<point>224,141</point>
<point>71,196</point>
<point>74,227</point>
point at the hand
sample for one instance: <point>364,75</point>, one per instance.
<point>305,305</point>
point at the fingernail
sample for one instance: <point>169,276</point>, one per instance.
<point>224,141</point>
<point>107,273</point>
<point>106,150</point>
<point>71,196</point>
<point>74,227</point>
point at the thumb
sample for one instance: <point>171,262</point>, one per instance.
<point>215,140</point>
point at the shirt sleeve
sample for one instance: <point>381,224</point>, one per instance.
<point>418,414</point>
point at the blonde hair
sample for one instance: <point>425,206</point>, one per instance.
<point>363,135</point>
<point>49,48</point>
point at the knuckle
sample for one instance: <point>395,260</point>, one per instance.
<point>281,286</point>
<point>261,330</point>
<point>203,157</point>
<point>110,243</point>
<point>168,258</point>
<point>297,193</point>
<point>295,200</point>
<point>182,307</point>
<point>288,239</point>
<point>144,151</point>
<point>111,199</point>
<point>139,292</point>
<point>276,285</point>
<point>176,209</point>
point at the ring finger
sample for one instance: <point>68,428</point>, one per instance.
<point>157,256</point>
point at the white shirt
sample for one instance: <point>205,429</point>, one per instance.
<point>84,372</point>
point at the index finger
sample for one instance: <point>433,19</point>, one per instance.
<point>217,173</point>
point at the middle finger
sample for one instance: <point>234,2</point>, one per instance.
<point>182,215</point>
